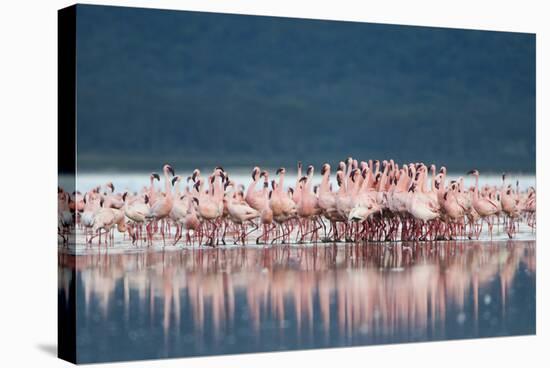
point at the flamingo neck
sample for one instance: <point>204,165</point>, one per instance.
<point>403,181</point>
<point>265,189</point>
<point>342,187</point>
<point>167,188</point>
<point>219,188</point>
<point>298,177</point>
<point>442,184</point>
<point>325,183</point>
<point>177,189</point>
<point>347,177</point>
<point>252,186</point>
<point>423,185</point>
<point>281,182</point>
<point>383,180</point>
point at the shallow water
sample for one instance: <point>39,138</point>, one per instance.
<point>190,302</point>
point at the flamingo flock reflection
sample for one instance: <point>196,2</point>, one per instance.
<point>380,290</point>
<point>374,201</point>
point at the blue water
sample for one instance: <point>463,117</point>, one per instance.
<point>226,301</point>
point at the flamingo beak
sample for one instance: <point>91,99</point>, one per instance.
<point>124,196</point>
<point>171,170</point>
<point>146,199</point>
<point>196,200</point>
<point>471,172</point>
<point>156,176</point>
<point>174,179</point>
<point>280,170</point>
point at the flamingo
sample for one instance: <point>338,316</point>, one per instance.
<point>254,198</point>
<point>327,201</point>
<point>266,214</point>
<point>163,205</point>
<point>105,219</point>
<point>485,207</point>
<point>282,205</point>
<point>184,213</point>
<point>308,206</point>
<point>137,212</point>
<point>510,205</point>
<point>64,215</point>
<point>422,207</point>
<point>375,194</point>
<point>240,212</point>
<point>211,205</point>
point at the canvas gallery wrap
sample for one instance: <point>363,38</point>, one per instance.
<point>237,184</point>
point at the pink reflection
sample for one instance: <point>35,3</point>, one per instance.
<point>376,290</point>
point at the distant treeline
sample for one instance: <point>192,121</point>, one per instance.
<point>199,88</point>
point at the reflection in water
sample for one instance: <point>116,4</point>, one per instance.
<point>215,301</point>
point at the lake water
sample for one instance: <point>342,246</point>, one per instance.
<point>136,181</point>
<point>191,302</point>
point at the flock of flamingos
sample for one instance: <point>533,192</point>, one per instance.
<point>374,201</point>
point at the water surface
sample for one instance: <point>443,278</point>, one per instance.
<point>190,302</point>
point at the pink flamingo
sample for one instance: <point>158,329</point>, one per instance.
<point>282,205</point>
<point>485,207</point>
<point>136,210</point>
<point>163,205</point>
<point>266,214</point>
<point>240,212</point>
<point>308,206</point>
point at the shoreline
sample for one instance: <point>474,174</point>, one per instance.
<point>126,247</point>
